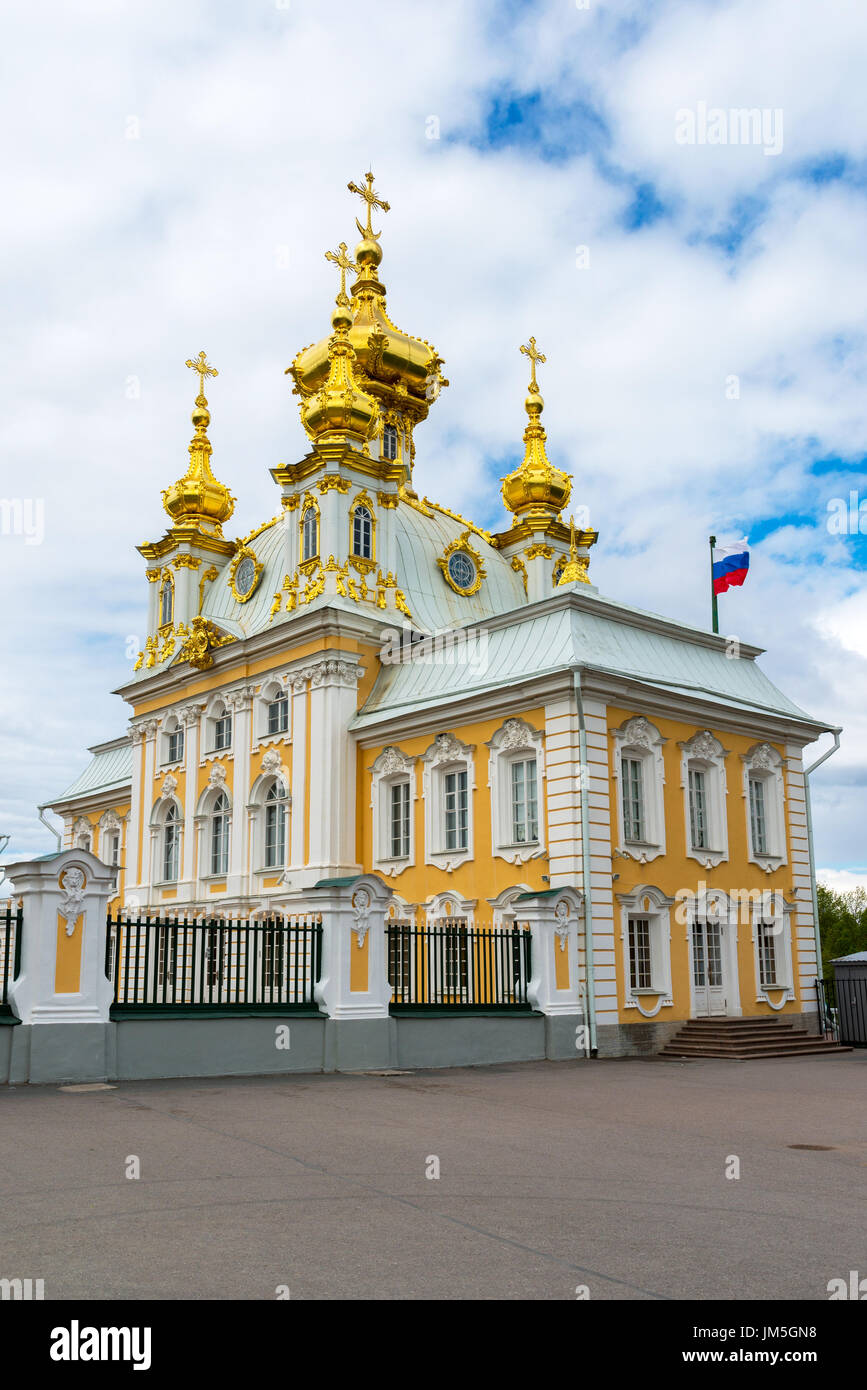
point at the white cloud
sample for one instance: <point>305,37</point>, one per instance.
<point>125,256</point>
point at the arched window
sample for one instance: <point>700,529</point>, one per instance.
<point>275,826</point>
<point>220,835</point>
<point>389,442</point>
<point>167,603</point>
<point>171,844</point>
<point>362,533</point>
<point>310,532</point>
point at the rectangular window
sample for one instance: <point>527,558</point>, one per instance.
<point>454,955</point>
<point>112,854</point>
<point>399,956</point>
<point>758,820</point>
<point>639,953</point>
<point>223,732</point>
<point>275,834</point>
<point>399,820</point>
<point>176,746</point>
<point>171,846</point>
<point>220,845</point>
<point>525,813</point>
<point>278,715</point>
<point>456,810</point>
<point>698,829</point>
<point>767,956</point>
<point>631,777</point>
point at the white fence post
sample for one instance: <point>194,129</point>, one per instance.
<point>555,984</point>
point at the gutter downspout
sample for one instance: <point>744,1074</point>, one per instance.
<point>807,771</point>
<point>585,863</point>
<point>49,826</point>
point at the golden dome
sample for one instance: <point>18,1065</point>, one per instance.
<point>340,406</point>
<point>537,490</point>
<point>401,372</point>
<point>198,498</point>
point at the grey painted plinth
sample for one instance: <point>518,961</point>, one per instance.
<point>143,1049</point>
<point>252,1046</point>
<point>58,1052</point>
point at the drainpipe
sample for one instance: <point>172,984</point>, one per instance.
<point>49,826</point>
<point>807,771</point>
<point>585,863</point>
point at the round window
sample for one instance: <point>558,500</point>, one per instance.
<point>462,571</point>
<point>245,576</point>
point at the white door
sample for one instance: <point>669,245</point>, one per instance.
<point>708,980</point>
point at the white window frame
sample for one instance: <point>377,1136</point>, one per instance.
<point>704,753</point>
<point>111,834</point>
<point>218,708</point>
<point>648,901</point>
<point>171,728</point>
<point>392,766</point>
<point>270,692</point>
<point>764,764</point>
<point>781,925</point>
<point>446,754</point>
<point>226,816</point>
<point>177,820</point>
<point>640,740</point>
<point>515,741</point>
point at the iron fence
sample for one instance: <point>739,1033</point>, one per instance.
<point>188,964</point>
<point>842,1003</point>
<point>11,925</point>
<point>454,966</point>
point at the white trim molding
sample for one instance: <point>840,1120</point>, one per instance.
<point>514,741</point>
<point>392,768</point>
<point>764,764</point>
<point>640,740</point>
<point>704,754</point>
<point>774,918</point>
<point>445,755</point>
<point>650,903</point>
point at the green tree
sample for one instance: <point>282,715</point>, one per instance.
<point>842,923</point>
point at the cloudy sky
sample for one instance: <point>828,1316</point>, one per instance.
<point>173,173</point>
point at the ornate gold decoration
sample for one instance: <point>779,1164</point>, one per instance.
<point>360,562</point>
<point>540,548</point>
<point>290,503</point>
<point>387,499</point>
<point>520,568</point>
<point>333,481</point>
<point>462,544</point>
<point>577,565</point>
<point>202,640</point>
<point>197,500</point>
<point>400,372</point>
<point>153,575</point>
<point>186,562</point>
<point>373,201</point>
<point>245,553</point>
<point>257,530</point>
<point>340,407</point>
<point>536,491</point>
<point>209,575</point>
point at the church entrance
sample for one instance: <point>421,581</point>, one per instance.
<point>708,972</point>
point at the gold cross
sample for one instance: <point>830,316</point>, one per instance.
<point>372,201</point>
<point>340,258</point>
<point>529,349</point>
<point>200,364</point>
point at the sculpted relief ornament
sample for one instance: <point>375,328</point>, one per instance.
<point>561,930</point>
<point>169,786</point>
<point>72,902</point>
<point>361,904</point>
<point>271,761</point>
<point>216,777</point>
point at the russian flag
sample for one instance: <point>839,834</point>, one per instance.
<point>730,565</point>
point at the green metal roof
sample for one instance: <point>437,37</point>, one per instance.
<point>110,768</point>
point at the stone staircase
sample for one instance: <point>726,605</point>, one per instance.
<point>739,1039</point>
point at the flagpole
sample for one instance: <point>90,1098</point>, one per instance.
<point>714,611</point>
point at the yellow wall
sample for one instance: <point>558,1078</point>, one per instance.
<point>675,870</point>
<point>484,876</point>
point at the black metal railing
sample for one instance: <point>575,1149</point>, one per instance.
<point>451,965</point>
<point>843,1007</point>
<point>11,925</point>
<point>188,964</point>
<point>826,999</point>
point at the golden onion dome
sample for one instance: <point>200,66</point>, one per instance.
<point>340,405</point>
<point>198,498</point>
<point>536,490</point>
<point>402,372</point>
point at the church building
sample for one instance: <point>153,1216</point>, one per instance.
<point>370,683</point>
